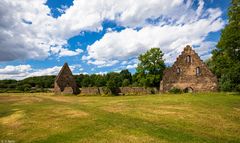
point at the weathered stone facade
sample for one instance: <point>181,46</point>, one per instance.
<point>120,90</point>
<point>137,90</point>
<point>89,91</point>
<point>189,73</point>
<point>65,82</point>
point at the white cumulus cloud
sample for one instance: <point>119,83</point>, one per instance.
<point>171,39</point>
<point>24,71</point>
<point>28,31</point>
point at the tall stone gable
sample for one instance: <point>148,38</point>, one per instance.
<point>189,73</point>
<point>65,82</point>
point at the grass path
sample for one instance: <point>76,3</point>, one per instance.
<point>42,117</point>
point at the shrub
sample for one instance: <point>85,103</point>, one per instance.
<point>106,90</point>
<point>175,90</point>
<point>112,86</point>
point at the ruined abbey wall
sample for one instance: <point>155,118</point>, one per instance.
<point>120,90</point>
<point>65,82</point>
<point>189,73</point>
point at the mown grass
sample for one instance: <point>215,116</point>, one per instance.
<point>43,117</point>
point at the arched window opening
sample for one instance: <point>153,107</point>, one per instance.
<point>188,90</point>
<point>178,70</point>
<point>189,59</point>
<point>198,72</point>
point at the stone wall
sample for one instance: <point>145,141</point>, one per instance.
<point>120,91</point>
<point>137,90</point>
<point>183,74</point>
<point>89,91</point>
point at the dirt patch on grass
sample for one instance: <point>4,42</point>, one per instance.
<point>7,99</point>
<point>70,113</point>
<point>120,135</point>
<point>171,109</point>
<point>19,99</point>
<point>179,111</point>
<point>13,120</point>
<point>59,98</point>
<point>29,100</point>
<point>139,139</point>
<point>237,109</point>
<point>65,99</point>
<point>116,108</point>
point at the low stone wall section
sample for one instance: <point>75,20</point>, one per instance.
<point>89,91</point>
<point>137,90</point>
<point>120,90</point>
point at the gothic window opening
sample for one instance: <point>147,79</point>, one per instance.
<point>178,70</point>
<point>189,59</point>
<point>198,72</point>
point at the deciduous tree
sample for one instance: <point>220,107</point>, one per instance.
<point>226,58</point>
<point>150,68</point>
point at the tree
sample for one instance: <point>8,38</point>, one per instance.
<point>125,74</point>
<point>100,80</point>
<point>226,58</point>
<point>112,86</point>
<point>150,68</point>
<point>114,78</point>
<point>126,77</point>
<point>79,79</point>
<point>126,82</point>
<point>86,81</point>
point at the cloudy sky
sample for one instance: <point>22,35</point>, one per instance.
<point>98,36</point>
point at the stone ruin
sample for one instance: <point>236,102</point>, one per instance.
<point>65,82</point>
<point>119,91</point>
<point>189,74</point>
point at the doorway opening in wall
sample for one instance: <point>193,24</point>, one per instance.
<point>188,90</point>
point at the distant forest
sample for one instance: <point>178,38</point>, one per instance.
<point>43,83</point>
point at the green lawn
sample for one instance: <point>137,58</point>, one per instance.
<point>42,117</point>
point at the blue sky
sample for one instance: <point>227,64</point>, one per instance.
<point>98,37</point>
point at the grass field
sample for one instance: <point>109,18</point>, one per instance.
<point>42,117</point>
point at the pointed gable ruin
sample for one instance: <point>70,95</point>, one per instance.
<point>189,74</point>
<point>65,82</point>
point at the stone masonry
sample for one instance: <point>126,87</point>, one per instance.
<point>189,73</point>
<point>65,82</point>
<point>120,90</point>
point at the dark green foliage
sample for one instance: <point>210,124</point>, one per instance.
<point>175,90</point>
<point>106,91</point>
<point>150,68</point>
<point>95,80</point>
<point>100,81</point>
<point>112,86</point>
<point>110,81</point>
<point>39,82</point>
<point>79,79</point>
<point>8,84</point>
<point>126,82</point>
<point>31,84</point>
<point>225,62</point>
<point>87,81</point>
<point>126,75</point>
<point>26,87</point>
